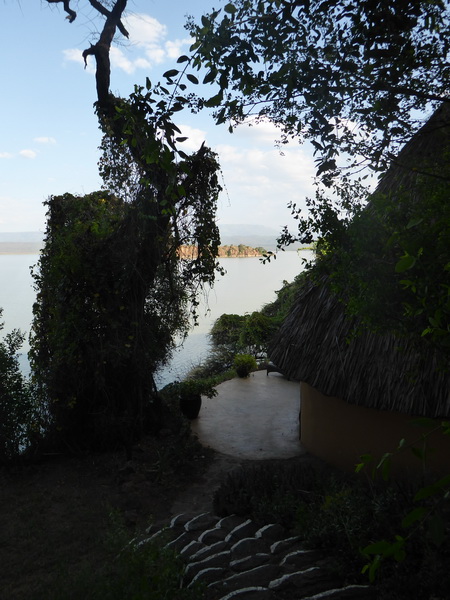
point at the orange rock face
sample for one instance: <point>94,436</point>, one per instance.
<point>241,251</point>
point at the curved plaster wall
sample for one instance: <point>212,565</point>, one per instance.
<point>340,433</point>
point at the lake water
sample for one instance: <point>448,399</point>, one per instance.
<point>246,287</point>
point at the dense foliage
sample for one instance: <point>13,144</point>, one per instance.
<point>393,268</point>
<point>112,294</point>
<point>20,417</point>
<point>112,289</point>
<point>243,333</point>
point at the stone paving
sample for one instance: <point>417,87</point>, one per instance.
<point>252,418</point>
<point>236,559</point>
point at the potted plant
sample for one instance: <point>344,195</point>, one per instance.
<point>190,394</point>
<point>244,363</point>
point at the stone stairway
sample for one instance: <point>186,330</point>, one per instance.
<point>236,559</point>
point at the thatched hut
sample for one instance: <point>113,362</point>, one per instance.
<point>359,392</point>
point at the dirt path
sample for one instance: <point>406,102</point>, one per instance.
<point>198,497</point>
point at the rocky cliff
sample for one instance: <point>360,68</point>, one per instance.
<point>231,251</point>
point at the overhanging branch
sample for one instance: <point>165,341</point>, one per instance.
<point>72,15</point>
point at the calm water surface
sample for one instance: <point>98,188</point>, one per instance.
<point>246,287</point>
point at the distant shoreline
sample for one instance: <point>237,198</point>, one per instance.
<point>20,247</point>
<point>228,251</point>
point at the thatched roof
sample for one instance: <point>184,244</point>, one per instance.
<point>317,342</point>
<point>423,155</point>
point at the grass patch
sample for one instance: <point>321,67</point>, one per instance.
<point>54,516</point>
<point>128,571</point>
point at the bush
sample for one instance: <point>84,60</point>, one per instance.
<point>217,364</point>
<point>132,571</point>
<point>270,492</point>
<point>257,332</point>
<point>20,420</point>
<point>226,331</point>
<point>244,363</point>
<point>340,515</point>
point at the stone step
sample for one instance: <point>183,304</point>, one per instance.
<point>236,559</point>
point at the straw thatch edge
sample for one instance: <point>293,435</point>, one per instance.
<point>317,342</point>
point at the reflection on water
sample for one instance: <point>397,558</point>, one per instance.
<point>246,287</point>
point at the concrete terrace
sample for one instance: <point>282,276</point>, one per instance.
<point>255,418</point>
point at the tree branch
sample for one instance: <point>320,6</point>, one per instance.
<point>105,12</point>
<point>72,15</point>
<point>101,50</point>
<point>403,90</point>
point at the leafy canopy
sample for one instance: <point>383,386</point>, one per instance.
<point>349,75</point>
<point>355,79</point>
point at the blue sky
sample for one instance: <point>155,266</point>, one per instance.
<point>49,135</point>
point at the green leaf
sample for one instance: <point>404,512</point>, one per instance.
<point>192,78</point>
<point>214,101</point>
<point>405,263</point>
<point>414,222</point>
<point>445,427</point>
<point>230,8</point>
<point>385,465</point>
<point>183,59</point>
<point>221,117</point>
<point>380,547</point>
<point>438,487</point>
<point>373,568</point>
<point>171,73</point>
<point>209,77</point>
<point>365,460</point>
<point>415,515</point>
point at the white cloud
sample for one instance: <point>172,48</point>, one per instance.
<point>45,140</point>
<point>147,34</point>
<point>260,182</point>
<point>145,30</point>
<point>120,61</point>
<point>263,132</point>
<point>174,48</point>
<point>155,54</point>
<point>28,153</point>
<point>5,155</point>
<point>150,36</point>
<point>196,137</point>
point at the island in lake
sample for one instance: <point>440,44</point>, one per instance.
<point>230,251</point>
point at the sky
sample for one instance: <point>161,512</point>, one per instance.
<point>49,134</point>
